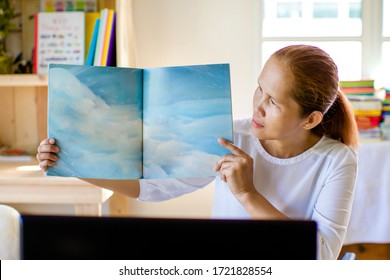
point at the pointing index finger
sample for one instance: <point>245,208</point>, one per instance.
<point>231,147</point>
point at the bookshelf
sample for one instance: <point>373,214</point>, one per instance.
<point>23,97</point>
<point>20,80</point>
<point>23,114</point>
<point>23,110</point>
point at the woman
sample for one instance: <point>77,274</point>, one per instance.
<point>294,159</point>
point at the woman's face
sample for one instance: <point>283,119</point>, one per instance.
<point>276,115</point>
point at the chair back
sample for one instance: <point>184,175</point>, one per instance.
<point>10,224</point>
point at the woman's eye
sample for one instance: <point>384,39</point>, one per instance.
<point>272,102</point>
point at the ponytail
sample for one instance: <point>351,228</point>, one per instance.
<point>339,122</point>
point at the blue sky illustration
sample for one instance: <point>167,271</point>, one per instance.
<point>185,110</point>
<point>104,117</point>
<point>95,113</point>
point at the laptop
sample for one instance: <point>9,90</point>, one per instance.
<point>124,238</point>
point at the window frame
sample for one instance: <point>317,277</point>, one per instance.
<point>372,18</point>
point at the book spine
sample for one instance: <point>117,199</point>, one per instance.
<point>100,39</point>
<point>90,21</point>
<point>111,57</point>
<point>367,121</point>
<point>367,112</point>
<point>366,105</point>
<point>351,90</point>
<point>92,46</point>
<point>358,83</point>
<point>35,51</point>
<point>107,36</point>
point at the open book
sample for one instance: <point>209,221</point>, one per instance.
<point>128,123</point>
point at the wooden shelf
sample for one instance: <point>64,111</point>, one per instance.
<point>23,110</point>
<point>23,80</point>
<point>25,183</point>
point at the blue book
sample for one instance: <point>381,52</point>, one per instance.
<point>92,46</point>
<point>132,123</point>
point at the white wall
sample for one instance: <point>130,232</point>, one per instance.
<point>186,32</point>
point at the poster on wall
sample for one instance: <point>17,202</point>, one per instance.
<point>59,38</point>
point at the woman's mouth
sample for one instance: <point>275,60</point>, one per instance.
<point>256,124</point>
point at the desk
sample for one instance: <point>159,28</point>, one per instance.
<point>31,186</point>
<point>370,218</point>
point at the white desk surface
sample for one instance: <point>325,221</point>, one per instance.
<point>370,218</point>
<point>19,184</point>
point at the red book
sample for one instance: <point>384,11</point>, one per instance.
<point>367,122</point>
<point>34,59</point>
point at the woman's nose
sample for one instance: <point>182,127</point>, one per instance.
<point>259,108</point>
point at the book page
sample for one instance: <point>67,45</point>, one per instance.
<point>95,114</point>
<point>186,109</point>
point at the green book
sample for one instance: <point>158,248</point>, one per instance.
<point>357,83</point>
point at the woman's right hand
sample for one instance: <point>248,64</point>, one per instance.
<point>47,153</point>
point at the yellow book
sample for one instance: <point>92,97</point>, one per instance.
<point>363,113</point>
<point>107,36</point>
<point>100,38</point>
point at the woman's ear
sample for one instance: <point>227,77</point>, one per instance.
<point>313,120</point>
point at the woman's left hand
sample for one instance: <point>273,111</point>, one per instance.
<point>236,169</point>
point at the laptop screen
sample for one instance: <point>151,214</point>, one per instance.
<point>120,238</point>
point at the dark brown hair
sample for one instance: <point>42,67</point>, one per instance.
<point>316,88</point>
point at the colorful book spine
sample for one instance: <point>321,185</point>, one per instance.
<point>367,112</point>
<point>367,107</point>
<point>358,90</point>
<point>357,83</point>
<point>35,50</point>
<point>368,103</point>
<point>387,96</point>
<point>386,110</point>
<point>100,39</point>
<point>90,21</point>
<point>107,36</point>
<point>368,122</point>
<point>111,59</point>
<point>92,46</point>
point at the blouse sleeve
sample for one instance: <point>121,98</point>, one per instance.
<point>164,189</point>
<point>333,208</point>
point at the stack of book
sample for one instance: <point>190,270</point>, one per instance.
<point>64,35</point>
<point>102,45</point>
<point>367,107</point>
<point>358,88</point>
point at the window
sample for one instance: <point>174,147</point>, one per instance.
<point>347,55</point>
<point>356,33</point>
<point>325,10</point>
<point>383,74</point>
<point>386,18</point>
